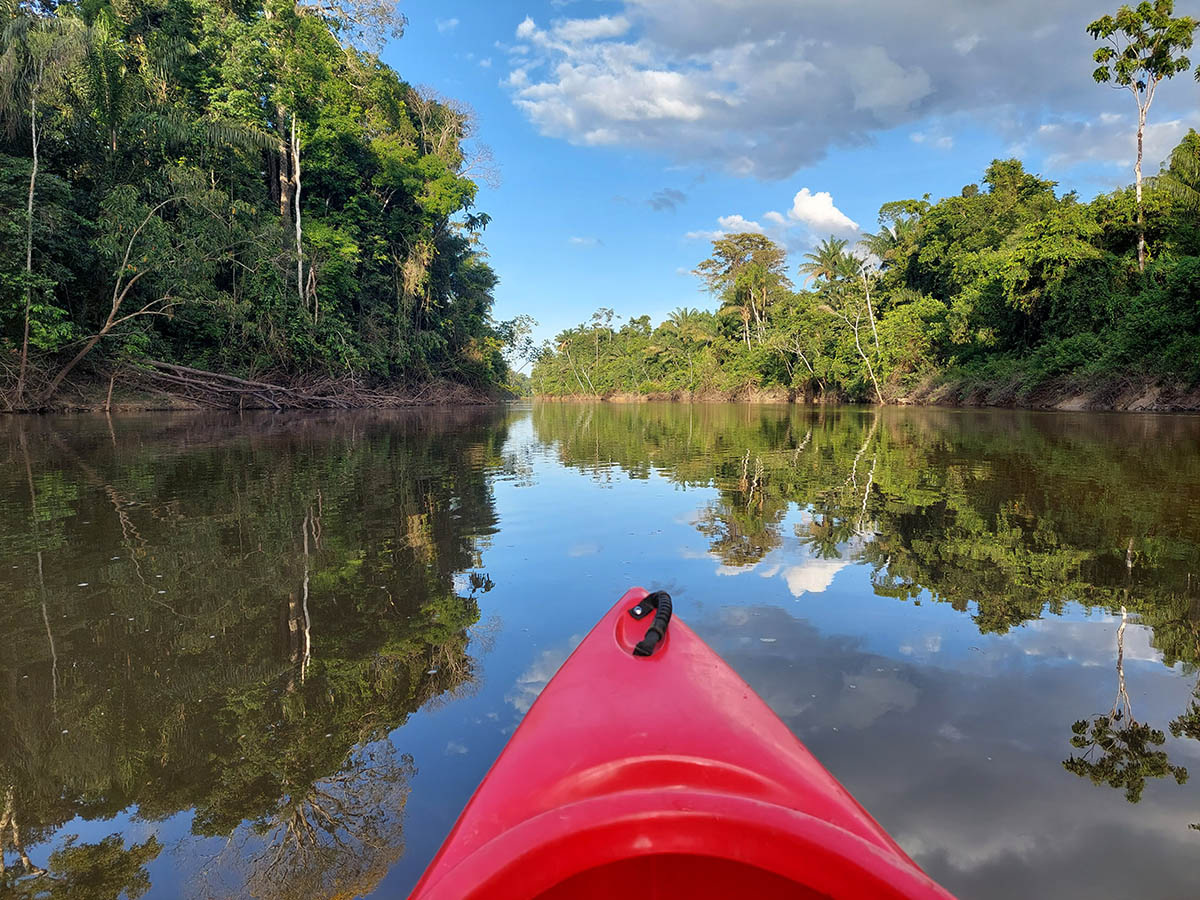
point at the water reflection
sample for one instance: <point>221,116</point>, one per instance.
<point>233,629</point>
<point>264,655</point>
<point>1008,517</point>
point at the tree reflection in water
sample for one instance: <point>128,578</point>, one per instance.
<point>152,686</point>
<point>1118,750</point>
<point>1007,518</point>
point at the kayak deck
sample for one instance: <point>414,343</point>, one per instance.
<point>661,776</point>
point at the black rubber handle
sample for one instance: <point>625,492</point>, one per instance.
<point>660,601</point>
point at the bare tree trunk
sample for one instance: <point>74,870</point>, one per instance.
<point>307,653</point>
<point>120,291</point>
<point>49,634</point>
<point>870,369</point>
<point>296,217</point>
<point>1137,180</point>
<point>871,313</point>
<point>574,371</point>
<point>75,360</point>
<point>28,246</point>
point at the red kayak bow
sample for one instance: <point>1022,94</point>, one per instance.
<point>647,768</point>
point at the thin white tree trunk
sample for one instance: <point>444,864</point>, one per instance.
<point>28,247</point>
<point>871,312</point>
<point>296,213</point>
<point>1137,180</point>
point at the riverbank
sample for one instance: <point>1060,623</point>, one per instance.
<point>181,392</point>
<point>1111,394</point>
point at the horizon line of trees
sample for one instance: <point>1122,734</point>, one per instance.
<point>1008,281</point>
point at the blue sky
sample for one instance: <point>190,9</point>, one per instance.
<point>627,132</point>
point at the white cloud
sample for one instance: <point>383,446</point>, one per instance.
<point>811,214</point>
<point>485,63</point>
<point>819,214</point>
<point>444,25</point>
<point>580,241</point>
<point>765,87</point>
<point>1110,138</point>
<point>526,29</point>
<point>940,141</point>
<point>591,29</point>
<point>813,576</point>
<point>734,224</point>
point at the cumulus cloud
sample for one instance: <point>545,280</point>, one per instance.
<point>819,214</point>
<point>813,576</point>
<point>734,224</point>
<point>667,200</point>
<point>444,25</point>
<point>765,87</point>
<point>812,214</point>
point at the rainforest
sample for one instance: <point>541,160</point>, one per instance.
<point>1011,293</point>
<point>190,188</point>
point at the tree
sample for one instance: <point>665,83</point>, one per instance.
<point>1129,751</point>
<point>1141,50</point>
<point>1181,177</point>
<point>826,260</point>
<point>36,54</point>
<point>747,270</point>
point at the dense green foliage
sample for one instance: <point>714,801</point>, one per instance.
<point>232,187</point>
<point>1009,282</point>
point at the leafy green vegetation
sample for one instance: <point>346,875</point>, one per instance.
<point>243,188</point>
<point>1009,284</point>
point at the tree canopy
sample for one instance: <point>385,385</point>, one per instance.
<point>245,188</point>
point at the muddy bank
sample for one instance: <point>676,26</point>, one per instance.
<point>1118,394</point>
<point>222,393</point>
<point>741,395</point>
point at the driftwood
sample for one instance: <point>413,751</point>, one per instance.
<point>221,391</point>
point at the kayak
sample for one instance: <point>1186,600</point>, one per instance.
<point>647,768</point>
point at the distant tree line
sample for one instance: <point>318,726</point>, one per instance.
<point>1007,282</point>
<point>239,187</point>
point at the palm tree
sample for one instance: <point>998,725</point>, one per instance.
<point>693,328</point>
<point>825,261</point>
<point>1181,178</point>
<point>36,54</point>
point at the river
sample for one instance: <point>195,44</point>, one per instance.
<point>274,654</point>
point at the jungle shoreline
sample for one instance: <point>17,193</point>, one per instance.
<point>94,397</point>
<point>1111,394</point>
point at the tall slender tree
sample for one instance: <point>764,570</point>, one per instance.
<point>36,53</point>
<point>1141,49</point>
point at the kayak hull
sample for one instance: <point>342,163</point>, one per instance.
<point>665,776</point>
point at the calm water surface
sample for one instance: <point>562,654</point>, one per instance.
<point>273,655</point>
